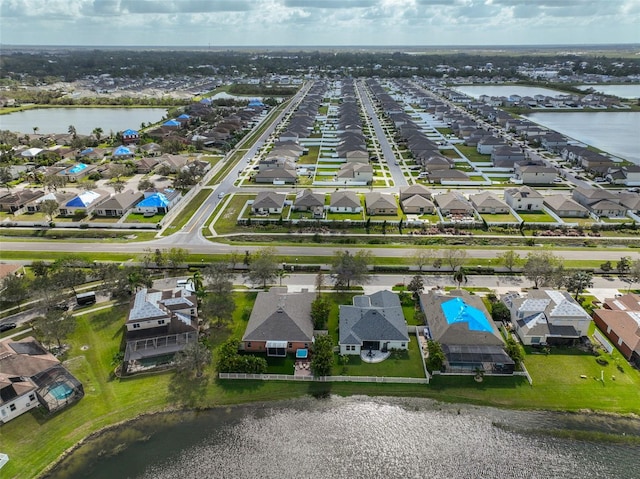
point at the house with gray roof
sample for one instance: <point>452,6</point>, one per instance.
<point>373,322</point>
<point>547,316</point>
<point>524,198</point>
<point>453,203</point>
<point>415,189</point>
<point>159,324</point>
<point>599,201</point>
<point>381,204</point>
<point>119,204</point>
<point>468,336</point>
<point>356,172</point>
<point>565,207</point>
<point>535,174</point>
<point>345,202</point>
<point>268,202</point>
<point>307,200</point>
<point>280,323</point>
<point>487,202</point>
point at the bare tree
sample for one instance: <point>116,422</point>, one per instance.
<point>455,257</point>
<point>422,257</point>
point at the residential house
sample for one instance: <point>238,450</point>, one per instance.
<point>16,200</point>
<point>160,323</point>
<point>146,165</point>
<point>84,202</point>
<point>173,163</point>
<point>122,153</point>
<point>345,202</point>
<point>487,202</point>
<point>151,149</point>
<point>57,196</point>
<point>547,316</point>
<point>158,201</point>
<point>130,136</point>
<point>31,377</point>
<point>268,202</point>
<point>629,200</point>
<point>381,204</point>
<point>619,320</point>
<point>507,157</point>
<point>416,199</point>
<point>447,176</point>
<point>356,172</point>
<point>119,204</point>
<point>468,336</point>
<point>524,198</point>
<point>565,207</point>
<point>553,142</point>
<point>626,175</point>
<point>454,204</point>
<point>486,145</point>
<point>280,323</point>
<point>600,202</point>
<point>77,171</point>
<point>373,323</point>
<point>535,174</point>
<point>285,174</point>
<point>307,200</point>
<point>357,156</point>
<point>92,154</point>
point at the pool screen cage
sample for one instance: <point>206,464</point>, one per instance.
<point>469,358</point>
<point>56,379</point>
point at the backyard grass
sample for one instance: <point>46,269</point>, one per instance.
<point>140,218</point>
<point>499,218</point>
<point>536,217</point>
<point>472,154</point>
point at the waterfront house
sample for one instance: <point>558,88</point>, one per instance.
<point>546,316</point>
<point>373,322</point>
<point>31,377</point>
<point>280,323</point>
<point>619,320</point>
<point>469,338</point>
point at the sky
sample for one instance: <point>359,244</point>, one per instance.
<point>318,22</point>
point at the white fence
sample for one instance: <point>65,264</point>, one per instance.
<point>328,379</point>
<point>604,341</point>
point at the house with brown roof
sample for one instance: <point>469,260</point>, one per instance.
<point>619,320</point>
<point>160,323</point>
<point>30,377</point>
<point>16,200</point>
<point>280,323</point>
<point>146,165</point>
<point>356,172</point>
<point>487,202</point>
<point>535,174</point>
<point>600,202</point>
<point>117,205</point>
<point>565,207</point>
<point>453,203</point>
<point>380,204</point>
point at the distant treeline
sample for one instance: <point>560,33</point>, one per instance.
<point>70,65</point>
<point>249,89</point>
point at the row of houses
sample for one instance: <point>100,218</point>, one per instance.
<point>97,202</point>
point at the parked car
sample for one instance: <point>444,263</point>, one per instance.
<point>7,326</point>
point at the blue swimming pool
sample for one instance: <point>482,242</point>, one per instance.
<point>78,168</point>
<point>457,311</point>
<point>61,392</point>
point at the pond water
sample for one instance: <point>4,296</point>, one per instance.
<point>57,120</point>
<point>613,132</point>
<point>358,437</point>
<point>622,91</point>
<point>476,91</point>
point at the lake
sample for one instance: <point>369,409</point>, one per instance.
<point>356,437</point>
<point>476,91</point>
<point>621,91</point>
<point>57,120</point>
<point>613,132</point>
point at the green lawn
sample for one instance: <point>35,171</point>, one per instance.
<point>536,217</point>
<point>401,364</point>
<point>499,218</point>
<point>140,218</point>
<point>345,216</point>
<point>472,154</point>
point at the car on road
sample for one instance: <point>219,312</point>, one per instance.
<point>7,326</point>
<point>221,194</point>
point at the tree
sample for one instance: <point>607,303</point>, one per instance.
<point>116,170</point>
<point>193,359</point>
<point>500,312</point>
<point>281,273</point>
<point>320,282</point>
<point>606,267</point>
<point>514,350</point>
<point>347,268</point>
<point>145,184</point>
<point>460,277</point>
<point>219,307</point>
<point>422,257</point>
<point>219,277</point>
<point>5,177</point>
<point>436,358</point>
<point>118,186</point>
<point>229,361</point>
<point>578,281</point>
<point>416,286</point>
<point>263,266</point>
<point>455,257</point>
<point>15,289</point>
<point>55,326</point>
<point>196,280</point>
<point>510,259</point>
<point>322,359</point>
<point>624,265</point>
<point>320,309</point>
<point>138,277</point>
<point>97,132</point>
<point>72,131</point>
<point>35,129</point>
<point>88,185</point>
<point>159,258</point>
<point>634,273</point>
<point>49,208</point>
<point>53,182</point>
<point>540,268</point>
<point>176,257</point>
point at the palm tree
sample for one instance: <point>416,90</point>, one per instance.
<point>460,277</point>
<point>97,132</point>
<point>72,131</point>
<point>35,130</point>
<point>281,274</point>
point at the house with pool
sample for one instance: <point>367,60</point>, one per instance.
<point>469,338</point>
<point>76,172</point>
<point>31,377</point>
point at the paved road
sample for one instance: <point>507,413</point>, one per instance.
<point>600,254</point>
<point>387,152</point>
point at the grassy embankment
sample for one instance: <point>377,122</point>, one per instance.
<point>557,384</point>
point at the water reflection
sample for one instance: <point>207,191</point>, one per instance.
<point>354,437</point>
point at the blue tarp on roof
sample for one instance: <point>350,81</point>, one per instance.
<point>83,199</point>
<point>184,116</point>
<point>255,102</point>
<point>122,151</point>
<point>156,200</point>
<point>206,101</point>
<point>129,132</point>
<point>171,123</point>
<point>457,311</point>
<point>86,151</point>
